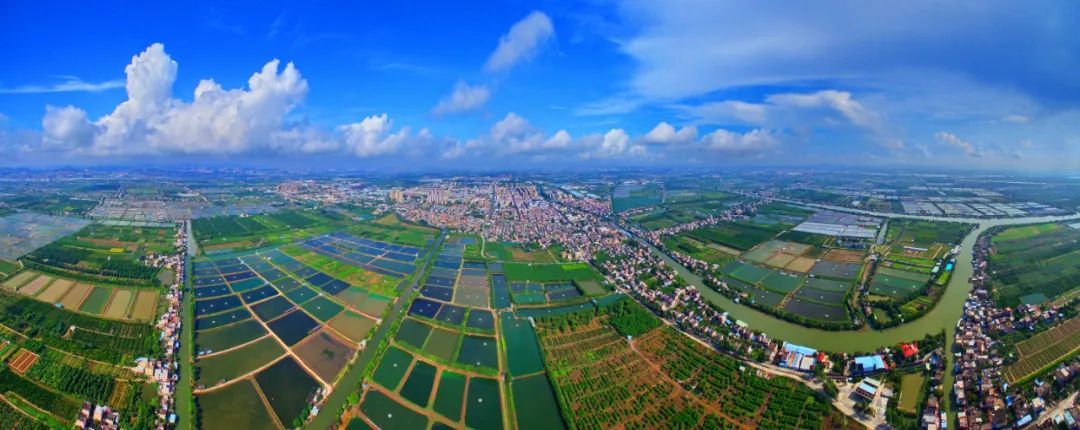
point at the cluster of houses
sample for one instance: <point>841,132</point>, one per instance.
<point>984,399</point>
<point>97,417</point>
<point>164,370</point>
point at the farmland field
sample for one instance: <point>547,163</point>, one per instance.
<point>607,384</point>
<point>549,272</point>
<point>740,235</point>
<point>1040,261</point>
<point>1044,350</point>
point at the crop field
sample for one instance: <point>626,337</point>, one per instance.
<point>1032,264</point>
<point>710,252</point>
<point>924,234</point>
<point>100,339</point>
<point>102,301</point>
<point>101,253</point>
<point>224,228</point>
<point>604,383</point>
<point>685,208</point>
<point>390,229</point>
<point>739,235</point>
<point>897,288</point>
<point>1044,350</point>
<point>525,272</point>
<point>506,251</point>
<point>783,255</point>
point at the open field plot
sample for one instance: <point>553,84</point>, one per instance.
<point>911,392</point>
<point>739,235</point>
<point>689,208</point>
<point>109,254</point>
<point>705,251</point>
<point>223,229</point>
<point>109,302</point>
<point>924,234</point>
<point>390,229</point>
<point>1044,350</point>
<point>1043,259</point>
<point>506,251</point>
<point>237,406</point>
<point>897,288</point>
<point>783,255</point>
<point>24,232</point>
<point>525,272</point>
<point>628,196</point>
<point>605,383</point>
<point>96,338</point>
<point>353,325</point>
<point>8,268</point>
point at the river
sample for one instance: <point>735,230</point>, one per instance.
<point>944,316</point>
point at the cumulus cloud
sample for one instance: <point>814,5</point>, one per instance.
<point>521,42</point>
<point>216,121</point>
<point>464,98</point>
<point>729,142</point>
<point>373,136</point>
<point>665,134</point>
<point>955,141</point>
<point>66,127</point>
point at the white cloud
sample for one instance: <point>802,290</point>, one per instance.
<point>840,101</point>
<point>464,98</point>
<point>373,137</point>
<point>66,127</point>
<point>665,134</point>
<point>561,139</point>
<point>1015,119</point>
<point>217,120</point>
<point>955,141</point>
<point>521,42</point>
<point>751,142</point>
<point>69,84</point>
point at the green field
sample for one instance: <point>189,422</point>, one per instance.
<point>105,254</point>
<point>923,234</point>
<point>550,272</point>
<point>1040,262</point>
<point>740,235</point>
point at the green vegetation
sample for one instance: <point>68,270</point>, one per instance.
<point>528,272</point>
<point>913,232</point>
<point>390,229</point>
<point>95,338</point>
<point>1032,264</point>
<point>630,196</point>
<point>630,319</point>
<point>740,235</point>
<point>110,254</point>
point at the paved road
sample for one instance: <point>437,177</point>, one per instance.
<point>184,406</point>
<point>331,409</point>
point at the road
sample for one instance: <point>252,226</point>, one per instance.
<point>1057,409</point>
<point>184,396</point>
<point>331,408</point>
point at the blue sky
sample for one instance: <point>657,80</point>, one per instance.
<point>542,84</point>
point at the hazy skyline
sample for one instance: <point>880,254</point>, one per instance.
<point>542,84</point>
